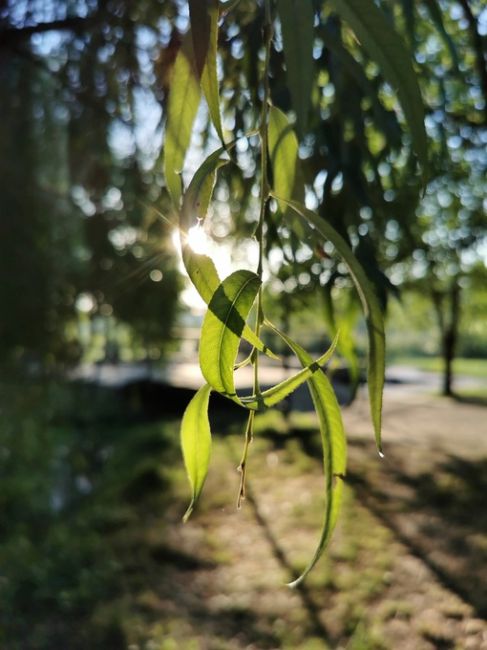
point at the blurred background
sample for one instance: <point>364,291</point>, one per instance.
<point>99,333</point>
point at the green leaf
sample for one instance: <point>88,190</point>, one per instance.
<point>183,102</point>
<point>384,45</point>
<point>437,17</point>
<point>198,195</point>
<point>286,166</point>
<point>200,21</point>
<point>204,26</point>
<point>202,272</point>
<point>334,448</point>
<point>280,391</point>
<point>370,305</point>
<point>200,268</point>
<point>222,329</point>
<point>297,19</point>
<point>196,443</point>
<point>346,344</point>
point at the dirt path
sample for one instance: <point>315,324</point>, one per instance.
<point>405,570</point>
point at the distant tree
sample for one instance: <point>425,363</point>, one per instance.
<point>80,138</point>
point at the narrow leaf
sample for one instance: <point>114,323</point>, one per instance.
<point>334,448</point>
<point>198,195</point>
<point>384,45</point>
<point>209,78</point>
<point>200,21</point>
<point>298,35</point>
<point>204,27</point>
<point>280,391</point>
<point>437,17</point>
<point>183,102</point>
<point>222,329</point>
<point>286,167</point>
<point>200,268</point>
<point>196,443</point>
<point>370,305</point>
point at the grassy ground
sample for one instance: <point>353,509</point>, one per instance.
<point>94,555</point>
<point>472,367</point>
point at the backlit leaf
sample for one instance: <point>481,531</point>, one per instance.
<point>384,45</point>
<point>222,329</point>
<point>196,443</point>
<point>198,195</point>
<point>283,153</point>
<point>204,26</point>
<point>370,305</point>
<point>183,102</point>
<point>280,391</point>
<point>297,18</point>
<point>334,448</point>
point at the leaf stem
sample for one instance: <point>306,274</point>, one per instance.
<point>259,232</point>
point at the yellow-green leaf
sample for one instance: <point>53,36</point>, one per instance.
<point>222,329</point>
<point>196,443</point>
<point>334,448</point>
<point>182,106</point>
<point>277,393</point>
<point>286,167</point>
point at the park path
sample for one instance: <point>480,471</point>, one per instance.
<point>405,570</point>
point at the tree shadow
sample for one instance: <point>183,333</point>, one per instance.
<point>439,515</point>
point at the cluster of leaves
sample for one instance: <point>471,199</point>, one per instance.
<point>230,300</point>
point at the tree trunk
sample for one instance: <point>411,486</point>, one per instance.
<point>450,337</point>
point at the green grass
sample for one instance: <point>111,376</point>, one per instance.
<point>472,367</point>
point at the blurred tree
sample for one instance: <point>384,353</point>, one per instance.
<point>98,73</point>
<point>80,136</point>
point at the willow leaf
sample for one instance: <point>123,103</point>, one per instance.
<point>297,18</point>
<point>334,448</point>
<point>384,45</point>
<point>286,167</point>
<point>370,305</point>
<point>437,17</point>
<point>280,391</point>
<point>200,21</point>
<point>196,443</point>
<point>198,194</point>
<point>209,78</point>
<point>200,268</point>
<point>183,102</point>
<point>222,329</point>
<point>204,27</point>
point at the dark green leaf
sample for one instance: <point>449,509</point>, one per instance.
<point>298,35</point>
<point>384,45</point>
<point>196,443</point>
<point>437,17</point>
